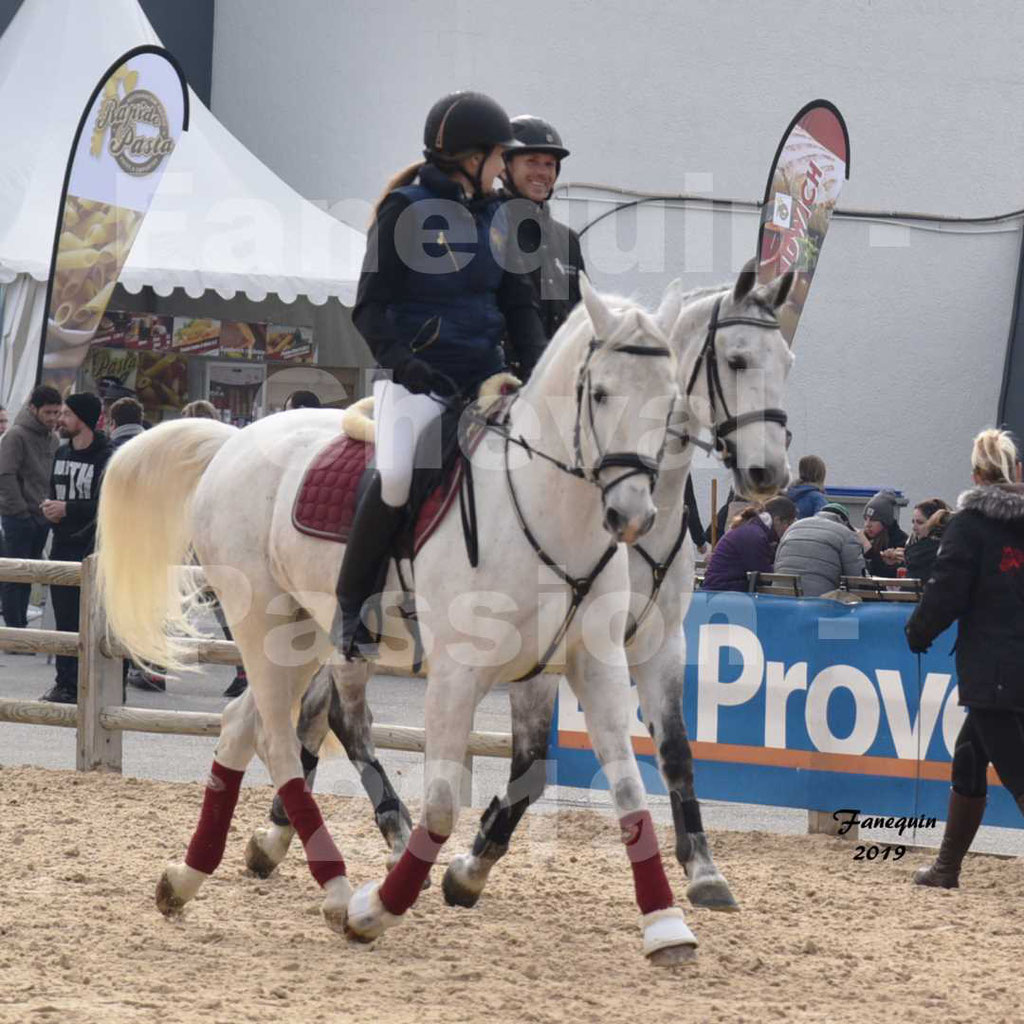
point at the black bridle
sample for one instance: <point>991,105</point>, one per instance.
<point>721,432</point>
<point>634,463</point>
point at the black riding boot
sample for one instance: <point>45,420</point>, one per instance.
<point>369,543</point>
<point>963,819</point>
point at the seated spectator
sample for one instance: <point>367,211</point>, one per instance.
<point>927,527</point>
<point>881,538</point>
<point>200,409</point>
<point>749,546</point>
<point>808,493</point>
<point>820,549</point>
<point>125,421</point>
<point>302,400</point>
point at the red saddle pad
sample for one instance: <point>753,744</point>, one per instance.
<point>326,502</point>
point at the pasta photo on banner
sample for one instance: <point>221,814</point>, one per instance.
<point>807,175</point>
<point>125,138</point>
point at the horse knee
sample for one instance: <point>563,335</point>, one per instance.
<point>441,810</point>
<point>628,795</point>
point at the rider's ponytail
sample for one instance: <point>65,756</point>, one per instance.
<point>994,457</point>
<point>406,176</point>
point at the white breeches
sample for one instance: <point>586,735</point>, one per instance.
<point>400,419</point>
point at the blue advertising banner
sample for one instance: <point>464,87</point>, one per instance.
<point>806,703</point>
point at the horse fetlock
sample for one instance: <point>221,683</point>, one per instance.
<point>177,885</point>
<point>266,848</point>
<point>465,879</point>
<point>338,895</point>
<point>668,940</point>
<point>367,917</point>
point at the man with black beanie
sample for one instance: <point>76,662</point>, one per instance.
<point>74,496</point>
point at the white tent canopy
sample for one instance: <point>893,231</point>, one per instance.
<point>220,219</point>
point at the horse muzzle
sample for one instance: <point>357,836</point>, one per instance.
<point>628,529</point>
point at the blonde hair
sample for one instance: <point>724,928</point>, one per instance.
<point>994,457</point>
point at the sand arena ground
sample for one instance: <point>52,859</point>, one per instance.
<point>820,937</point>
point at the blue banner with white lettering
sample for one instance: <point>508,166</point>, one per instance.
<point>806,703</point>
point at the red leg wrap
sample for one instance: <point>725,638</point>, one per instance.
<point>405,880</point>
<point>323,856</point>
<point>652,888</point>
<point>211,834</point>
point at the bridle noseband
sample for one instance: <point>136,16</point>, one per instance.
<point>721,432</point>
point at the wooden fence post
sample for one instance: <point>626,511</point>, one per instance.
<point>99,681</point>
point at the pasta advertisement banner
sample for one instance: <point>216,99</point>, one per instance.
<point>810,166</point>
<point>121,149</point>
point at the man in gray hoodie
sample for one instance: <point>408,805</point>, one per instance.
<point>26,458</point>
<point>820,549</point>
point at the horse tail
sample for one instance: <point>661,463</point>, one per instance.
<point>144,527</point>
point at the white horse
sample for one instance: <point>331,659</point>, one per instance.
<point>731,358</point>
<point>598,405</point>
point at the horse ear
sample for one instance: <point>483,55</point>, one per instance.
<point>779,291</point>
<point>745,282</point>
<point>671,304</point>
<point>600,315</point>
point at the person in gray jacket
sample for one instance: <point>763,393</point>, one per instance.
<point>820,549</point>
<point>26,457</point>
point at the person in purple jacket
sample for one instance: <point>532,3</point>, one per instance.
<point>750,545</point>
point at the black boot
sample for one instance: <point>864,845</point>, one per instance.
<point>964,817</point>
<point>366,558</point>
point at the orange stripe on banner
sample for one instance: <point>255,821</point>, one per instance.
<point>808,760</point>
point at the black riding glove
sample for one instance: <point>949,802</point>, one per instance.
<point>416,375</point>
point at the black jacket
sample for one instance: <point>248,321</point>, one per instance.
<point>978,580</point>
<point>920,555</point>
<point>76,479</point>
<point>474,304</point>
<point>552,258</point>
<point>893,537</point>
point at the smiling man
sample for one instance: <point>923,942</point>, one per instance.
<point>549,249</point>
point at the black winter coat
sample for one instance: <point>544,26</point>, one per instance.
<point>978,580</point>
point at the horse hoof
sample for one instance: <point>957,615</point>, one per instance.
<point>168,902</point>
<point>673,956</point>
<point>367,917</point>
<point>266,849</point>
<point>668,941</point>
<point>335,904</point>
<point>712,894</point>
<point>456,892</point>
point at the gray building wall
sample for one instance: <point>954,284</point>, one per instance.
<point>901,350</point>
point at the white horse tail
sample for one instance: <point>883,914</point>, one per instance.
<point>144,526</point>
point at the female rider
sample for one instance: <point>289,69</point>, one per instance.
<point>435,299</point>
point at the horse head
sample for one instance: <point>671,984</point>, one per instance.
<point>733,364</point>
<point>612,366</point>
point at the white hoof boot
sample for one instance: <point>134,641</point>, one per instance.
<point>177,885</point>
<point>338,894</point>
<point>668,940</point>
<point>267,848</point>
<point>368,918</point>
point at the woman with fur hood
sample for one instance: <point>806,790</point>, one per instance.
<point>978,581</point>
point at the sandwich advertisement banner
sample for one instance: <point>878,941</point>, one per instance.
<point>807,175</point>
<point>124,141</point>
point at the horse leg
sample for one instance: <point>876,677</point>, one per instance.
<point>181,881</point>
<point>533,706</point>
<point>274,689</point>
<point>267,847</point>
<point>603,692</point>
<point>451,699</point>
<point>351,721</point>
<point>660,685</point>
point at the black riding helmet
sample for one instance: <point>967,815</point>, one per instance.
<point>465,122</point>
<point>534,135</point>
